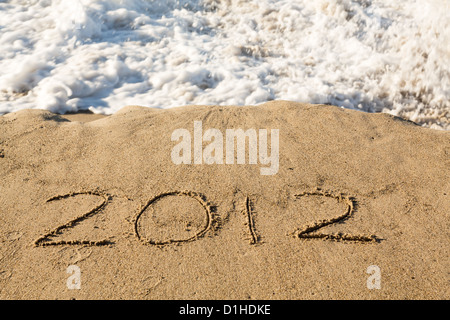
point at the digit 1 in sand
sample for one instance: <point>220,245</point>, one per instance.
<point>251,225</point>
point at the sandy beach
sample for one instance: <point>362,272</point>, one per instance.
<point>355,196</point>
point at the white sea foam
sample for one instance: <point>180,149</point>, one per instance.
<point>372,55</point>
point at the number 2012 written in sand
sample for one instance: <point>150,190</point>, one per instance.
<point>210,221</point>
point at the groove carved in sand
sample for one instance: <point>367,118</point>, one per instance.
<point>306,232</point>
<point>210,221</point>
<point>248,211</point>
<point>192,195</point>
<point>44,240</point>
